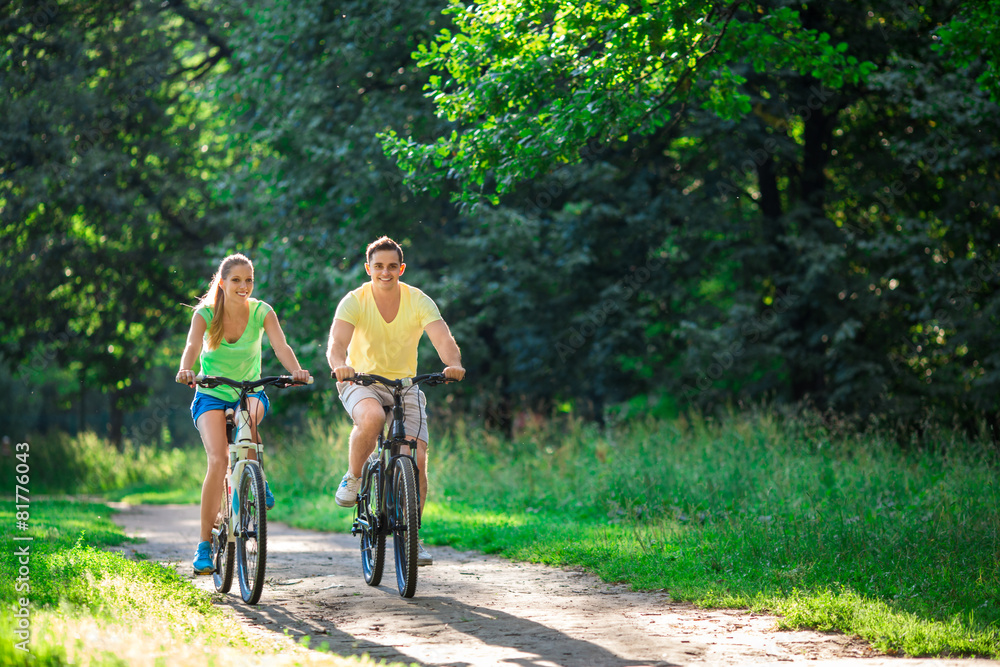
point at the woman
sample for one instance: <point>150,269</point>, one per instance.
<point>225,335</point>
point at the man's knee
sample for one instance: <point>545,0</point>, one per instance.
<point>369,416</point>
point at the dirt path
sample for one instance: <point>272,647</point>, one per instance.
<point>472,609</point>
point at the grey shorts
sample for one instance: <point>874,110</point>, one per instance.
<point>414,404</point>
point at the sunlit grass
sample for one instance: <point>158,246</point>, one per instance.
<point>900,546</point>
<point>90,606</point>
<point>754,512</point>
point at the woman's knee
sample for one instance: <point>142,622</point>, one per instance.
<point>218,463</point>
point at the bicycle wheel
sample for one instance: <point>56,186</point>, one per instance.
<point>224,554</point>
<point>223,551</point>
<point>404,506</point>
<point>371,522</point>
<point>251,540</point>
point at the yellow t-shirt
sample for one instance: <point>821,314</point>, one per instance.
<point>386,348</point>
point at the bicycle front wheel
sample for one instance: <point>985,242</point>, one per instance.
<point>251,538</point>
<point>403,505</point>
<point>372,523</point>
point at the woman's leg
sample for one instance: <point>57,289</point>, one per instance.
<point>212,427</point>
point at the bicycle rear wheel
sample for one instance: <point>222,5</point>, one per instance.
<point>223,551</point>
<point>403,504</point>
<point>224,554</point>
<point>251,538</point>
<point>372,523</point>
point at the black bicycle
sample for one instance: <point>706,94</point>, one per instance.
<point>242,532</point>
<point>389,495</point>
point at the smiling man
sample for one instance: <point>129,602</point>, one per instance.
<point>376,329</point>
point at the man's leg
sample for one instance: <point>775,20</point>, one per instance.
<point>421,458</point>
<point>369,420</point>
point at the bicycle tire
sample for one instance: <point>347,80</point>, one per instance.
<point>372,532</point>
<point>251,540</point>
<point>223,551</point>
<point>404,505</point>
<point>224,556</point>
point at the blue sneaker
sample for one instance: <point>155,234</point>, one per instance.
<point>268,496</point>
<point>203,559</point>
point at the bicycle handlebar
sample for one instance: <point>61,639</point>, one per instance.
<point>365,379</point>
<point>280,381</point>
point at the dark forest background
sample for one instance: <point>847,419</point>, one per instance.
<point>833,246</point>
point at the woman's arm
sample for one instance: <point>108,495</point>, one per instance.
<point>282,349</point>
<point>192,348</point>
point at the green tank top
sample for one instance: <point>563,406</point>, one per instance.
<point>239,360</point>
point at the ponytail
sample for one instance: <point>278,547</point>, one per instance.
<point>215,299</point>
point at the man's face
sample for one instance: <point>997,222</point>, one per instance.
<point>385,269</point>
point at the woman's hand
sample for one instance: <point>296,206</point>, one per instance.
<point>185,376</point>
<point>301,375</point>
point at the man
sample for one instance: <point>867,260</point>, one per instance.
<point>376,329</point>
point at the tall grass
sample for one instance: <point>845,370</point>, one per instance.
<point>87,464</point>
<point>751,511</point>
<point>832,529</point>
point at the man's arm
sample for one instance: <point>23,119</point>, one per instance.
<point>447,349</point>
<point>341,333</point>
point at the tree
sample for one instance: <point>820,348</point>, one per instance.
<point>103,204</point>
<point>530,84</point>
<point>815,221</point>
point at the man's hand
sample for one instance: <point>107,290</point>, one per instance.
<point>343,373</point>
<point>454,373</point>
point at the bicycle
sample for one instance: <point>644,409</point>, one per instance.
<point>242,538</point>
<point>389,495</point>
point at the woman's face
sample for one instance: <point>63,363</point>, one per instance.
<point>238,285</point>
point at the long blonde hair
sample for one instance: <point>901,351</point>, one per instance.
<point>215,298</point>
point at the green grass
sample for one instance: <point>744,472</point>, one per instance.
<point>90,606</point>
<point>834,531</point>
<point>72,580</point>
<point>845,533</point>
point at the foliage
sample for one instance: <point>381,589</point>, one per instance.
<point>968,40</point>
<point>310,86</point>
<point>827,242</point>
<point>697,204</point>
<point>531,85</point>
<point>103,196</point>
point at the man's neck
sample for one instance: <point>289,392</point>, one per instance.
<point>383,295</point>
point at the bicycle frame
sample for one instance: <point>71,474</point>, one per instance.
<point>240,446</point>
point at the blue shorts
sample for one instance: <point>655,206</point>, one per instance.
<point>202,403</point>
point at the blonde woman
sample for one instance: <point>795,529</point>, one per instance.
<point>225,336</point>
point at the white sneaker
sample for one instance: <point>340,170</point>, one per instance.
<point>423,557</point>
<point>347,492</point>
